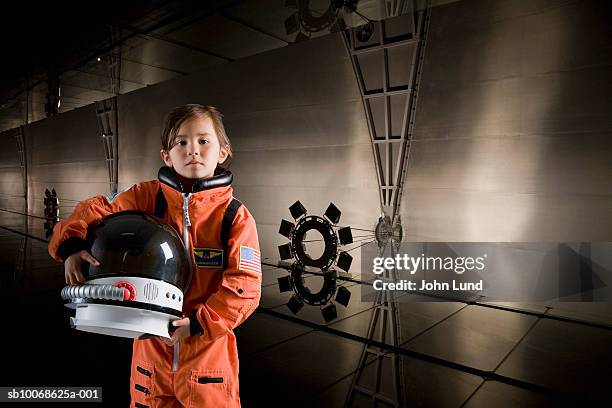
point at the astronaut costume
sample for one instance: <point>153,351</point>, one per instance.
<point>221,238</point>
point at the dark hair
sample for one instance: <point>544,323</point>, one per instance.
<point>180,114</point>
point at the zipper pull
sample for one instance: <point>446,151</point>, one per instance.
<point>186,210</point>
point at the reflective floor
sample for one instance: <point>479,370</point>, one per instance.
<point>451,354</point>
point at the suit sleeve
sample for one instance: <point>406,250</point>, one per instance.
<point>69,235</point>
<point>240,289</point>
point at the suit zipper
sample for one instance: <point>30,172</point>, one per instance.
<point>186,220</point>
<point>186,225</point>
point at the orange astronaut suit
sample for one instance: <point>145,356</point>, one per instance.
<point>202,371</point>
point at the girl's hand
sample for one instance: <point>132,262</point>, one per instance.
<point>182,332</point>
<point>72,266</point>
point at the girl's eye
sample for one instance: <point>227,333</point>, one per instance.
<point>181,142</point>
<point>203,141</point>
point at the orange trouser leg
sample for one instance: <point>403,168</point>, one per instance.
<point>205,377</point>
<point>151,381</point>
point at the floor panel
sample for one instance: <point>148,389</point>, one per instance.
<point>476,336</point>
<point>564,356</point>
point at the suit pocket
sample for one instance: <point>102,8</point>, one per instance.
<point>243,286</point>
<point>209,388</point>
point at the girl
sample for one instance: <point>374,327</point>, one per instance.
<point>198,366</point>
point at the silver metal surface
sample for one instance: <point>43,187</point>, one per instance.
<point>159,53</point>
<point>261,331</point>
<point>422,384</point>
<point>65,153</point>
<point>493,393</point>
<point>513,131</point>
<point>338,175</point>
<point>94,80</point>
<point>148,74</point>
<point>233,44</point>
<point>303,351</point>
<point>83,92</point>
<point>266,14</point>
<point>556,346</point>
<point>12,171</point>
<point>415,317</point>
<point>474,336</point>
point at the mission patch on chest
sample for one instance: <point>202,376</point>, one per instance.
<point>208,257</point>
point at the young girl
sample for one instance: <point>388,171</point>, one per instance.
<point>198,366</point>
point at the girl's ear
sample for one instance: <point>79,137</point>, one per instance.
<point>223,153</point>
<point>165,157</point>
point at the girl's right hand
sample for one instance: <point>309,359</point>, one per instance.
<point>72,266</point>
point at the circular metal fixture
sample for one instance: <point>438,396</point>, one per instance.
<point>324,227</point>
<point>365,32</point>
<point>386,232</point>
<point>322,297</point>
<point>383,231</point>
<point>313,23</point>
<point>332,239</point>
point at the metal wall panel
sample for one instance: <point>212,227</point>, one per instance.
<point>464,215</point>
<point>84,93</point>
<point>513,134</point>
<point>266,14</point>
<point>146,74</point>
<point>94,81</point>
<point>322,124</point>
<point>316,177</point>
<point>302,76</point>
<point>529,165</point>
<point>334,166</point>
<point>461,15</point>
<point>11,181</point>
<point>238,40</point>
<point>167,55</point>
<point>66,153</point>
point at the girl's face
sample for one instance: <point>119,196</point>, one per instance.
<point>195,151</point>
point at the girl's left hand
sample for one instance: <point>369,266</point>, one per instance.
<point>182,331</point>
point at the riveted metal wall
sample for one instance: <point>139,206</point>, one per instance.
<point>513,134</point>
<point>66,153</point>
<point>12,192</point>
<point>296,122</point>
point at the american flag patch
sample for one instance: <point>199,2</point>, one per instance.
<point>250,260</point>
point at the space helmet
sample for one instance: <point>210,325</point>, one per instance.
<point>139,286</point>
